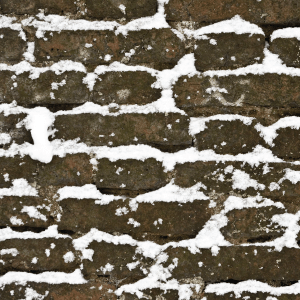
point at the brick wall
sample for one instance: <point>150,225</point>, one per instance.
<point>149,150</point>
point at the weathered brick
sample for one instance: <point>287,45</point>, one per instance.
<point>12,46</point>
<point>242,138</point>
<point>259,12</point>
<point>11,133</point>
<point>103,10</point>
<point>118,256</point>
<point>31,212</point>
<point>122,176</point>
<point>161,222</point>
<point>228,51</point>
<point>286,144</point>
<point>268,90</point>
<point>133,87</point>
<point>251,225</point>
<point>16,167</point>
<point>158,48</point>
<point>73,170</point>
<point>37,255</point>
<point>89,291</point>
<point>236,263</point>
<point>32,7</point>
<point>272,180</point>
<point>168,133</point>
<point>288,50</point>
<point>48,88</point>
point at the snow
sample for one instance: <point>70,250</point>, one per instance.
<point>286,33</point>
<point>235,25</point>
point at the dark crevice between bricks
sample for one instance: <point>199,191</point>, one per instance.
<point>169,148</point>
<point>55,107</point>
<point>68,232</point>
<point>261,239</point>
<point>26,228</point>
<point>122,192</point>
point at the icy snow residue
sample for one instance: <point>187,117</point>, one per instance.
<point>19,188</point>
<point>286,33</point>
<point>242,181</point>
<point>8,22</point>
<point>11,251</point>
<point>29,54</point>
<point>88,191</point>
<point>46,277</point>
<point>253,287</point>
<point>50,232</point>
<point>235,25</point>
<point>32,294</point>
<point>199,124</point>
<point>33,213</point>
<point>69,257</point>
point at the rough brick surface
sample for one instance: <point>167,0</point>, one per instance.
<point>101,10</point>
<point>168,133</point>
<point>266,12</point>
<point>288,50</point>
<point>156,48</point>
<point>32,7</point>
<point>228,51</point>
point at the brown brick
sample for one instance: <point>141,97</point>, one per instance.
<point>48,88</point>
<point>32,7</point>
<point>125,88</point>
<point>20,207</point>
<point>17,167</point>
<point>12,46</point>
<point>237,263</point>
<point>158,48</point>
<point>252,225</point>
<point>268,90</point>
<point>121,176</point>
<point>168,133</point>
<point>242,138</point>
<point>118,256</point>
<point>110,10</point>
<point>64,291</point>
<point>72,170</point>
<point>286,144</point>
<point>161,222</point>
<point>259,12</point>
<point>228,51</point>
<point>288,50</point>
<point>271,181</point>
<point>18,134</point>
<point>31,248</point>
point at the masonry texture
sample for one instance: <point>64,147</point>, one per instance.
<point>149,149</point>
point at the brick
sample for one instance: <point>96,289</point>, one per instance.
<point>32,7</point>
<point>158,48</point>
<point>168,133</point>
<point>242,138</point>
<point>72,170</point>
<point>63,291</point>
<point>21,208</point>
<point>13,133</point>
<point>236,263</point>
<point>110,10</point>
<point>118,256</point>
<point>48,88</point>
<point>268,90</point>
<point>28,249</point>
<point>122,176</point>
<point>16,167</point>
<point>287,50</point>
<point>252,225</point>
<point>12,46</point>
<point>161,222</point>
<point>223,179</point>
<point>228,51</point>
<point>286,144</point>
<point>125,88</point>
<point>265,12</point>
